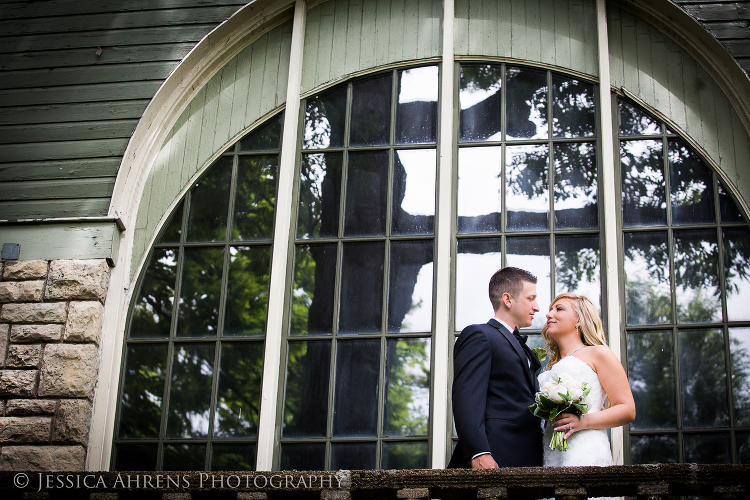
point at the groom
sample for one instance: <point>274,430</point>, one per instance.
<point>494,381</point>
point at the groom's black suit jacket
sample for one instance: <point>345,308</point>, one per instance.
<point>493,387</point>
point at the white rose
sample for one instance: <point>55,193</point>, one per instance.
<point>547,387</point>
<point>570,382</point>
<point>554,393</point>
<point>575,393</point>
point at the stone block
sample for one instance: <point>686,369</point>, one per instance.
<point>56,312</point>
<point>4,341</point>
<point>84,322</point>
<point>18,383</point>
<point>24,356</point>
<point>25,429</point>
<point>25,270</point>
<point>72,422</point>
<point>43,458</point>
<point>78,280</point>
<point>18,407</point>
<point>69,370</point>
<point>20,334</point>
<point>21,291</point>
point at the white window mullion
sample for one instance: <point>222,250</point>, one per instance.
<point>443,329</point>
<point>274,330</point>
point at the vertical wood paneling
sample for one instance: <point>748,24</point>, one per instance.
<point>461,28</point>
<point>519,38</point>
<point>562,27</point>
<point>222,132</point>
<point>242,89</point>
<point>576,16</point>
<point>615,45</point>
<point>741,154</point>
<point>210,112</point>
<point>660,77</point>
<point>533,35</point>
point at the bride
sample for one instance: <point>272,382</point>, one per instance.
<point>576,346</point>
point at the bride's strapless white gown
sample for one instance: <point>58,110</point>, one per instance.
<point>587,447</point>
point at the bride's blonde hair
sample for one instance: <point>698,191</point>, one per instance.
<point>590,331</point>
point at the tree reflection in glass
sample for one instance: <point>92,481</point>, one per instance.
<point>238,396</point>
<point>737,273</point>
<point>348,456</point>
<point>647,284</point>
<point>577,266</point>
<point>652,380</point>
<point>209,203</point>
<point>739,348</point>
<point>265,138</point>
<point>476,262</point>
<point>690,186</point>
<point>414,191</point>
<point>410,287</point>
<point>313,288</point>
<point>303,456</point>
<point>573,108</point>
<point>743,447</point>
<point>480,188</point>
<point>707,448</point>
<point>416,110</point>
<point>533,254</point>
<point>527,192</point>
<point>696,273</point>
<point>355,406</point>
<point>703,378</point>
<point>371,111</point>
<point>575,187</point>
<point>654,449</point>
<point>306,392</point>
<point>190,390</point>
<point>142,390</point>
<point>728,209</point>
<point>405,455</point>
<point>526,113</point>
<point>255,201</point>
<point>319,195</point>
<point>184,457</point>
<point>152,311</point>
<point>635,122</point>
<point>173,229</point>
<point>407,385</point>
<point>233,457</point>
<point>325,115</point>
<point>362,287</point>
<point>246,300</point>
<point>481,103</point>
<point>366,194</point>
<point>130,457</point>
<point>198,310</point>
<point>643,194</point>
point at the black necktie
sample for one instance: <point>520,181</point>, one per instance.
<point>522,340</point>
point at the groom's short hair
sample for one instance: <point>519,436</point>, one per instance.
<point>508,280</point>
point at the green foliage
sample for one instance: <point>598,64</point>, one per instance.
<point>408,387</point>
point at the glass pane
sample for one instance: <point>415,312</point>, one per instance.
<point>532,254</point>
<point>743,447</point>
<point>319,195</point>
<point>371,111</point>
<point>312,295</point>
<point>414,191</point>
<point>481,103</point>
<point>325,115</point>
<point>247,290</point>
<point>703,378</point>
<point>573,108</point>
<point>366,194</point>
<point>526,104</point>
<point>643,195</point>
<point>647,294</point>
<point>184,457</point>
<point>476,261</point>
<point>190,390</point>
<point>416,112</point>
<point>209,203</point>
<point>355,408</point>
<point>737,273</point>
<point>690,186</point>
<point>256,197</point>
<point>696,274</point>
<point>173,228</point>
<point>361,301</point>
<point>142,390</point>
<point>480,188</point>
<point>198,311</point>
<point>408,455</point>
<point>238,396</point>
<point>739,348</point>
<point>306,401</point>
<point>651,375</point>
<point>135,457</point>
<point>407,383</point>
<point>527,195</point>
<point>152,310</point>
<point>303,456</point>
<point>351,456</point>
<point>410,287</point>
<point>653,449</point>
<point>265,138</point>
<point>577,266</point>
<point>233,457</point>
<point>576,186</point>
<point>727,207</point>
<point>707,448</point>
<point>635,122</point>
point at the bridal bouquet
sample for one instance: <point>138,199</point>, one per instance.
<point>561,394</point>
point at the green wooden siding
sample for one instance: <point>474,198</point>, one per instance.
<point>343,37</point>
<point>651,66</point>
<point>64,240</point>
<point>248,87</point>
<point>555,32</point>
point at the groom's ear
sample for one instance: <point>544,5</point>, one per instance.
<point>507,299</point>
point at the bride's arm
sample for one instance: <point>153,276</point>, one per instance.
<point>621,409</point>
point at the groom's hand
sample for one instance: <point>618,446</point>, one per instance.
<point>484,462</point>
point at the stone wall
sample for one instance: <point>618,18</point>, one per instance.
<point>50,326</point>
